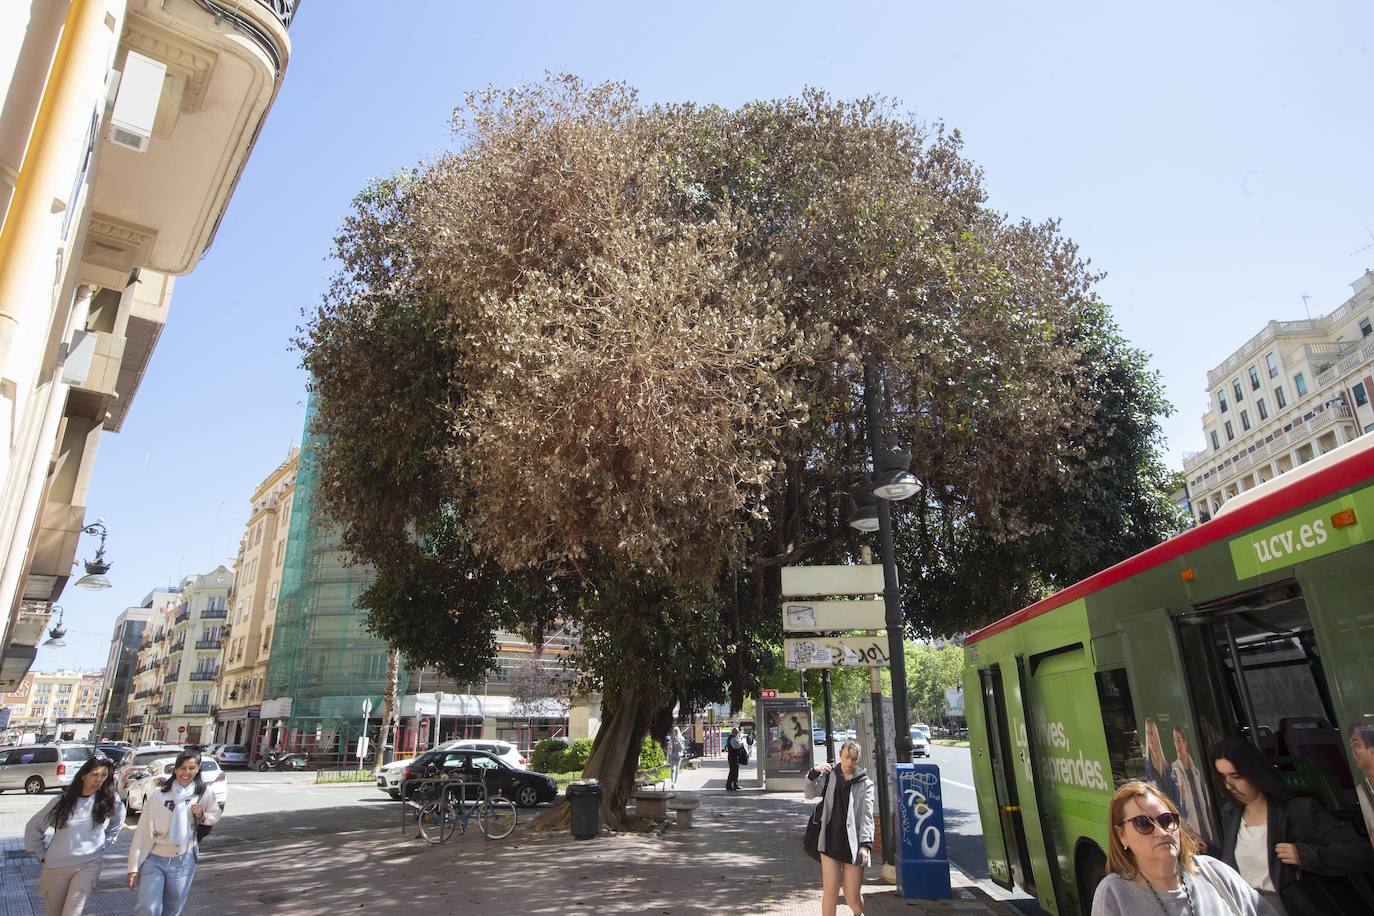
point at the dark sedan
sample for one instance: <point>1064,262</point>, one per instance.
<point>524,788</point>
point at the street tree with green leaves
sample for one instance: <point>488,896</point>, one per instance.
<point>601,366</point>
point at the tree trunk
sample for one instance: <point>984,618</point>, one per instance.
<point>389,708</point>
<point>614,759</point>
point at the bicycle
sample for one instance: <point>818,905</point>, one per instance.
<point>439,819</point>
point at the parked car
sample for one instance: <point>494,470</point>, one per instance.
<point>117,753</point>
<point>155,775</point>
<point>521,786</point>
<point>392,774</point>
<point>38,767</point>
<point>232,755</point>
<point>920,741</point>
<point>139,761</point>
<point>503,749</point>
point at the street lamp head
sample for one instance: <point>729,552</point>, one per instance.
<point>865,516</point>
<point>893,481</point>
<point>95,579</point>
<point>57,632</point>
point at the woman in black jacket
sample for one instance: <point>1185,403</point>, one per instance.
<point>1272,838</point>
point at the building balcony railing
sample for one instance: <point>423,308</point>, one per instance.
<point>195,709</point>
<point>171,676</point>
<point>285,10</point>
<point>1347,364</point>
<point>134,720</point>
<point>165,710</point>
<point>1309,420</point>
<point>204,675</point>
<point>183,614</point>
<point>214,613</point>
<point>207,643</point>
<point>177,646</point>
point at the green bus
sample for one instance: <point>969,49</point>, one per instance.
<point>1258,623</point>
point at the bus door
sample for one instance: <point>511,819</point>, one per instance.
<point>1015,851</point>
<point>1255,670</point>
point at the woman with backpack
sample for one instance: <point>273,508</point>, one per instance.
<point>85,820</point>
<point>845,841</point>
<point>163,854</point>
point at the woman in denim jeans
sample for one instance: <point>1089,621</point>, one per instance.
<point>162,857</point>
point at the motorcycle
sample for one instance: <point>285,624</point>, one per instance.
<point>275,761</point>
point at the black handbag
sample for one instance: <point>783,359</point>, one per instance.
<point>811,839</point>
<point>1328,895</point>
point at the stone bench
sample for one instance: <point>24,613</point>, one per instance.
<point>683,808</point>
<point>649,803</point>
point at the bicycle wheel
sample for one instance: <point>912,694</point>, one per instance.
<point>437,821</point>
<point>497,818</point>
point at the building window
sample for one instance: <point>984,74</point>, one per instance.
<point>1254,379</point>
<point>1263,411</point>
<point>1221,399</point>
<point>1235,386</point>
<point>1361,396</point>
<point>1273,365</point>
<point>1279,399</point>
<point>1230,433</point>
<point>1245,420</point>
<point>1365,329</point>
<point>1216,442</point>
<point>1300,385</point>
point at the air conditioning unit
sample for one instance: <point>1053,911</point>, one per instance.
<point>135,106</point>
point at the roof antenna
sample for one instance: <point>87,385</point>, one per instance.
<point>1305,299</point>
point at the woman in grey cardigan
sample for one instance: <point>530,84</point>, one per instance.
<point>84,821</point>
<point>846,838</point>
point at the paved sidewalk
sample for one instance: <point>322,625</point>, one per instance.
<point>743,855</point>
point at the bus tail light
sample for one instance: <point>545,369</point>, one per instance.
<point>1343,519</point>
<point>1188,574</point>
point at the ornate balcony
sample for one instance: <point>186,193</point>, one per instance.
<point>195,709</point>
<point>204,675</point>
<point>214,613</point>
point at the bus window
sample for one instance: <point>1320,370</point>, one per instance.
<point>1118,719</point>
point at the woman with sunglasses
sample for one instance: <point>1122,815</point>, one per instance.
<point>85,820</point>
<point>1270,837</point>
<point>1154,867</point>
<point>164,851</point>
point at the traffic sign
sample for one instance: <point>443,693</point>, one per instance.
<point>833,616</point>
<point>836,652</point>
<point>860,579</point>
<point>768,694</point>
<point>367,707</point>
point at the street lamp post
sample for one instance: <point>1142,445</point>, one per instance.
<point>892,480</point>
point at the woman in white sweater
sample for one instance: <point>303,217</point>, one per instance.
<point>85,820</point>
<point>163,854</point>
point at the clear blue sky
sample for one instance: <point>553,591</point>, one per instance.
<point>1214,159</point>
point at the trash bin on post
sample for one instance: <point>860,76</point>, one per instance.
<point>584,800</point>
<point>922,862</point>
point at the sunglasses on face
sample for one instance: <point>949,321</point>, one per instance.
<point>1145,825</point>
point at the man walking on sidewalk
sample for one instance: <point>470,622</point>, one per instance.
<point>736,753</point>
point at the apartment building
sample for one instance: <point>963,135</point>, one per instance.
<point>253,606</point>
<point>1294,391</point>
<point>54,704</point>
<point>119,670</point>
<point>174,682</point>
<point>126,125</point>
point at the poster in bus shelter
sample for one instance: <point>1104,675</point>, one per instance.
<point>786,745</point>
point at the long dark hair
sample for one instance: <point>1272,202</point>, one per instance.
<point>103,803</point>
<point>1252,766</point>
<point>182,758</point>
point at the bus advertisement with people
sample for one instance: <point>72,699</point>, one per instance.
<point>1258,624</point>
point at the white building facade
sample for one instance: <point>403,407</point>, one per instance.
<point>1296,390</point>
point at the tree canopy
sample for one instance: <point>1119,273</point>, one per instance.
<point>603,364</point>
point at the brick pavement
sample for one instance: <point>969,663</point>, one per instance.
<point>742,856</point>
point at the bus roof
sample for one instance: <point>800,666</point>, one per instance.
<point>1321,477</point>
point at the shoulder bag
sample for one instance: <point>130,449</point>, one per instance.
<point>1327,895</point>
<point>1221,887</point>
<point>811,839</point>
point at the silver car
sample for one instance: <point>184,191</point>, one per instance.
<point>37,767</point>
<point>232,755</point>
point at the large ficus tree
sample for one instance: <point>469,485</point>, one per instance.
<point>602,365</point>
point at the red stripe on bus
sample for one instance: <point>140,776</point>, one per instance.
<point>1347,472</point>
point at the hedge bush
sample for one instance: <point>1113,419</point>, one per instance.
<point>548,754</point>
<point>651,754</point>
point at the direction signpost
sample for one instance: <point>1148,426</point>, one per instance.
<point>810,605</point>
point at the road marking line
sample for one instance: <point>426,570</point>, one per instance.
<point>962,785</point>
